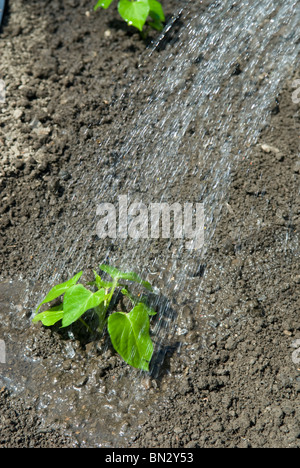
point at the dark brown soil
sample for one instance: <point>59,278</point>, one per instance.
<point>231,381</point>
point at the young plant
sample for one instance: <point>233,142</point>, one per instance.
<point>136,12</point>
<point>128,331</point>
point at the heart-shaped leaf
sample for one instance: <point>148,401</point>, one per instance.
<point>130,337</point>
<point>135,12</point>
<point>78,300</point>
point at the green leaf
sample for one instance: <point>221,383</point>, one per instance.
<point>130,337</point>
<point>157,15</point>
<point>135,13</point>
<point>102,284</point>
<point>60,289</point>
<point>156,25</point>
<point>102,4</point>
<point>50,317</point>
<point>136,279</point>
<point>78,300</point>
<point>117,274</point>
<point>156,10</point>
<point>112,271</point>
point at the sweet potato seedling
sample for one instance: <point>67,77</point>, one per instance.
<point>128,331</point>
<point>137,12</point>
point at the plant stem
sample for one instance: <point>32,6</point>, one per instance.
<point>85,324</point>
<point>103,308</point>
<point>115,283</point>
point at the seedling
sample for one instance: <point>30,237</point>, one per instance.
<point>136,12</point>
<point>128,331</point>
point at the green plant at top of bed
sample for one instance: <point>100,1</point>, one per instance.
<point>137,12</point>
<point>128,331</point>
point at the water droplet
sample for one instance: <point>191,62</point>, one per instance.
<point>130,23</point>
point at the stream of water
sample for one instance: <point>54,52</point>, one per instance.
<point>198,86</point>
<point>208,97</point>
